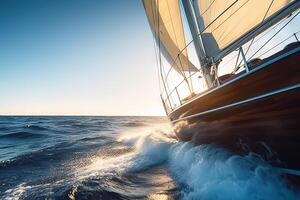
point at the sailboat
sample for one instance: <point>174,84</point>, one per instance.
<point>226,76</point>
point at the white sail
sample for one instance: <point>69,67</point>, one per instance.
<point>223,22</point>
<point>165,20</point>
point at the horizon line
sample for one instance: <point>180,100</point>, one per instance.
<point>77,115</point>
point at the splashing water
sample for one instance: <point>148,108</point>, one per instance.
<point>133,158</point>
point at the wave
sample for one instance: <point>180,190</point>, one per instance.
<point>27,127</point>
<point>35,127</point>
<point>123,166</point>
<point>93,138</point>
<point>81,192</point>
<point>17,192</point>
<point>209,171</point>
<point>84,123</point>
<point>22,135</point>
<point>40,157</point>
<point>134,124</point>
<point>202,171</point>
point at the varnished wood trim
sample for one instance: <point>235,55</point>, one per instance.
<point>240,102</point>
<point>266,64</point>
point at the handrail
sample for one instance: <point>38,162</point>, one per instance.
<point>175,89</point>
<point>293,35</point>
<point>186,78</point>
<point>179,84</point>
<point>189,43</point>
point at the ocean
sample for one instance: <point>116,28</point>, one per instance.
<point>48,157</point>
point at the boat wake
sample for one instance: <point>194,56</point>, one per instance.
<point>148,162</point>
<point>201,171</point>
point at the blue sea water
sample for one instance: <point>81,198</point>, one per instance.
<point>124,158</point>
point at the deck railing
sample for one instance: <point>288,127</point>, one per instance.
<point>173,98</point>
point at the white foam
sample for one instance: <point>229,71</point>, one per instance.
<point>150,147</point>
<point>16,193</point>
<point>209,172</point>
<point>204,171</point>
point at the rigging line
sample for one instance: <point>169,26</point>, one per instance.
<point>165,82</point>
<point>275,34</point>
<point>154,43</point>
<point>156,28</point>
<point>159,48</point>
<point>180,84</point>
<point>182,68</point>
<point>170,68</point>
<point>237,60</point>
<point>261,22</point>
<point>263,35</point>
<point>220,35</point>
<point>224,37</point>
<point>252,40</point>
<point>186,79</point>
<point>230,15</point>
<point>233,57</point>
<point>199,34</point>
<point>156,48</point>
<point>259,38</point>
<point>271,29</point>
<point>279,44</point>
<point>156,53</point>
<point>179,67</point>
<point>190,78</point>
<point>208,7</point>
<point>227,19</point>
<point>156,25</point>
<point>218,17</point>
<point>172,22</point>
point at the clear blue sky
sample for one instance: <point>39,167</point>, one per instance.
<point>82,57</point>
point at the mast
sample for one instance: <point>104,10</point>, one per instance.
<point>201,54</point>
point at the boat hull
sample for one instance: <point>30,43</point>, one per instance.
<point>257,111</point>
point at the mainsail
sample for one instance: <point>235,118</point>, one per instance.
<point>166,23</point>
<point>222,22</point>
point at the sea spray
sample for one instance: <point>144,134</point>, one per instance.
<point>211,172</point>
<point>151,146</point>
<point>105,158</point>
